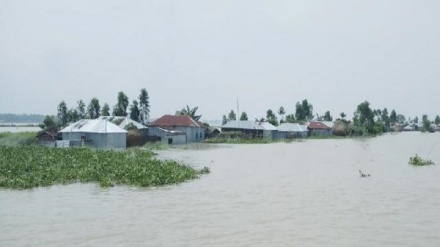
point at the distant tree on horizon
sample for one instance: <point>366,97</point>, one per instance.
<point>144,106</point>
<point>364,117</point>
<point>189,112</point>
<point>327,116</point>
<point>105,110</point>
<point>243,116</point>
<point>120,109</point>
<point>281,112</point>
<point>271,118</point>
<point>81,109</point>
<point>304,111</point>
<point>232,116</point>
<point>224,120</point>
<point>94,109</point>
<point>290,118</point>
<point>63,118</point>
<point>134,111</point>
<point>393,116</point>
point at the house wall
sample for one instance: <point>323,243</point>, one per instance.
<point>193,134</point>
<point>249,133</point>
<point>292,134</point>
<point>99,140</point>
<point>174,139</point>
<point>321,132</point>
<point>271,134</point>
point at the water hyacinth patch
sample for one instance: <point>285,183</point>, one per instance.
<point>417,161</point>
<point>34,166</point>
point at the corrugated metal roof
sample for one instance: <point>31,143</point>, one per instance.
<point>93,126</point>
<point>181,121</point>
<point>123,121</point>
<point>291,127</point>
<point>328,123</point>
<point>235,124</point>
<point>267,126</point>
<point>317,125</point>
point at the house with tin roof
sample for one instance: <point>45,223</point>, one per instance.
<point>97,133</point>
<point>319,128</point>
<point>164,126</point>
<point>292,130</point>
<point>249,129</point>
<point>126,122</point>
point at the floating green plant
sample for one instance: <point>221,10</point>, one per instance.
<point>417,161</point>
<point>33,166</point>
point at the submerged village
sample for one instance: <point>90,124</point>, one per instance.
<point>129,125</point>
<point>88,144</point>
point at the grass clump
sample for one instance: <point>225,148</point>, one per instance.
<point>417,161</point>
<point>33,166</point>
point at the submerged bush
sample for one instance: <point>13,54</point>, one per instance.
<point>417,161</point>
<point>33,166</point>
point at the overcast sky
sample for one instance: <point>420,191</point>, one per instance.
<point>208,53</point>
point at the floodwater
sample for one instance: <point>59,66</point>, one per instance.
<point>305,193</point>
<point>17,129</point>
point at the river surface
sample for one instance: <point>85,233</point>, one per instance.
<point>305,193</point>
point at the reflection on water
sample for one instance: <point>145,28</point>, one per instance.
<point>283,194</point>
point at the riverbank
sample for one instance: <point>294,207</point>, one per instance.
<point>23,167</point>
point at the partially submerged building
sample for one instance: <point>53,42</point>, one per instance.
<point>248,129</point>
<point>291,131</point>
<point>269,131</point>
<point>97,133</point>
<point>127,123</point>
<point>320,129</point>
<point>177,129</point>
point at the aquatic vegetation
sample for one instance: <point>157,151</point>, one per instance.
<point>33,166</point>
<point>417,161</point>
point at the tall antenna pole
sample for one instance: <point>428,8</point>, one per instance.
<point>238,110</point>
<point>238,113</point>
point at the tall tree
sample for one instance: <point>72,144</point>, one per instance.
<point>342,115</point>
<point>437,120</point>
<point>134,111</point>
<point>63,118</point>
<point>281,112</point>
<point>224,120</point>
<point>243,116</point>
<point>327,116</point>
<point>385,118</point>
<point>364,117</point>
<point>426,123</point>
<point>304,111</point>
<point>120,108</point>
<point>232,116</point>
<point>290,118</point>
<point>271,118</point>
<point>49,124</point>
<point>105,110</point>
<point>189,112</point>
<point>81,109</point>
<point>94,109</point>
<point>73,115</point>
<point>393,116</point>
<point>144,106</point>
